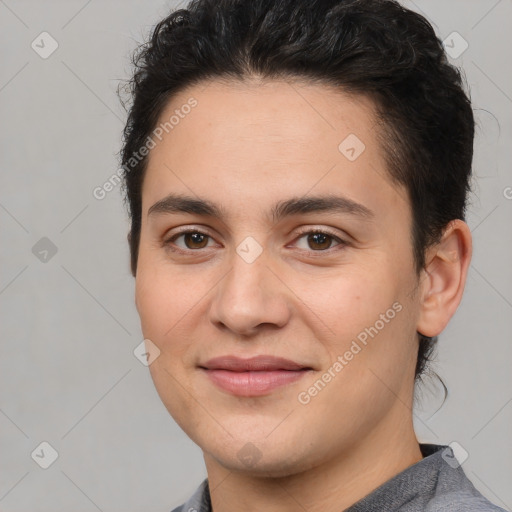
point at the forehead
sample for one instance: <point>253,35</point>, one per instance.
<point>272,111</point>
<point>260,139</point>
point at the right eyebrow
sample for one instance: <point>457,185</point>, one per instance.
<point>174,203</point>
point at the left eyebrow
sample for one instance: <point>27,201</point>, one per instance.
<point>330,203</point>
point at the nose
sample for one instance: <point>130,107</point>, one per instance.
<point>250,297</point>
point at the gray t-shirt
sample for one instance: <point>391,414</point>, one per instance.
<point>437,483</point>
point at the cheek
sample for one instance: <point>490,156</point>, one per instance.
<point>349,300</point>
<point>172,305</point>
<point>163,301</point>
<point>371,354</point>
<point>154,299</point>
<point>162,296</point>
<point>366,321</point>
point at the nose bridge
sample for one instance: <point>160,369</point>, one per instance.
<point>249,294</point>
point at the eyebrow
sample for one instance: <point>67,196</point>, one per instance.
<point>329,203</point>
<point>176,203</point>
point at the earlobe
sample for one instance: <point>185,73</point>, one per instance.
<point>444,278</point>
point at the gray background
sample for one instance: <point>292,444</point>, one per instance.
<point>68,375</point>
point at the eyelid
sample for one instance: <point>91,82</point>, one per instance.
<point>189,229</point>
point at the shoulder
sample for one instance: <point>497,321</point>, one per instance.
<point>198,502</point>
<point>185,507</point>
<point>455,492</point>
<point>450,489</point>
<point>461,502</point>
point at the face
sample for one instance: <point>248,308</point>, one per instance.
<point>290,241</point>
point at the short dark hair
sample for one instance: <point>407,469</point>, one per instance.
<point>375,48</point>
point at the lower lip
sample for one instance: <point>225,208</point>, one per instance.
<point>253,383</point>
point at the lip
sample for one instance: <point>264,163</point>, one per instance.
<point>256,363</point>
<point>255,376</point>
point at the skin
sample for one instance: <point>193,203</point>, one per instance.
<point>245,147</point>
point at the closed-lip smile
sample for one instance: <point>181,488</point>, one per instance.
<point>255,376</point>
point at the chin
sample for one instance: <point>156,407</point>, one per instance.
<point>265,459</point>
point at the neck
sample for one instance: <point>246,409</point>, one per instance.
<point>334,485</point>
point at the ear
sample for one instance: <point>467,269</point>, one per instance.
<point>444,278</point>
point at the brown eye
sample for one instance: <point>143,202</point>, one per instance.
<point>195,240</point>
<point>188,240</point>
<point>319,241</point>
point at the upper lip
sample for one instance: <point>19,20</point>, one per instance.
<point>257,363</point>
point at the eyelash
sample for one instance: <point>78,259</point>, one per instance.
<point>169,242</point>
